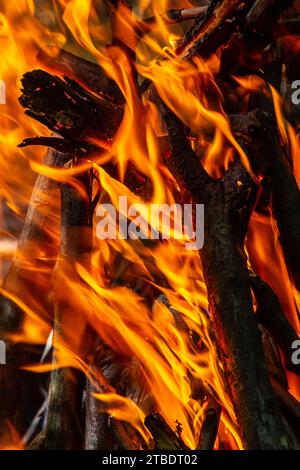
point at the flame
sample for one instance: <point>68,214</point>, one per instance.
<point>168,360</point>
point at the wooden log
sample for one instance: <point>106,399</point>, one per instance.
<point>165,438</point>
<point>64,426</point>
<point>122,375</point>
<point>196,29</point>
<point>88,74</point>
<point>36,251</point>
<point>68,109</point>
<point>271,315</point>
<point>273,358</point>
<point>270,159</point>
<point>289,405</point>
<point>210,425</point>
<point>223,19</point>
<point>228,204</point>
<point>262,18</point>
<point>172,16</point>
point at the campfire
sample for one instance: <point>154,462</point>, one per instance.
<point>182,333</point>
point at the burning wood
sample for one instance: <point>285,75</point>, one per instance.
<point>155,345</point>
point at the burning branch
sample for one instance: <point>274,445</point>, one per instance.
<point>229,203</point>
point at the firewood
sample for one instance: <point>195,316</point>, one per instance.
<point>262,17</point>
<point>98,434</point>
<point>88,74</point>
<point>273,358</point>
<point>64,428</point>
<point>165,438</point>
<point>172,16</point>
<point>67,108</point>
<point>223,20</point>
<point>229,203</point>
<point>125,436</point>
<point>123,376</point>
<point>196,29</point>
<point>289,405</point>
<point>37,243</point>
<point>270,159</point>
<point>88,124</point>
<point>271,315</point>
<point>210,425</point>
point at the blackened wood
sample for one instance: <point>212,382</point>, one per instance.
<point>125,436</point>
<point>64,424</point>
<point>220,24</point>
<point>271,315</point>
<point>228,206</point>
<point>171,17</point>
<point>88,74</point>
<point>210,426</point>
<point>68,109</point>
<point>273,357</point>
<point>38,244</point>
<point>262,18</point>
<point>196,29</point>
<point>165,438</point>
<point>271,160</point>
<point>289,405</point>
<point>78,149</point>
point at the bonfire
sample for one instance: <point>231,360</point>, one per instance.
<point>178,331</point>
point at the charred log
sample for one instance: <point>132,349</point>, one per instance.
<point>229,203</point>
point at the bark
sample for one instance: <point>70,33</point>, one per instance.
<point>289,406</point>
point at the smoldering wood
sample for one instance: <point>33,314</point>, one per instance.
<point>78,149</point>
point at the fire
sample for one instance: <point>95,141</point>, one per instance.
<point>169,361</point>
